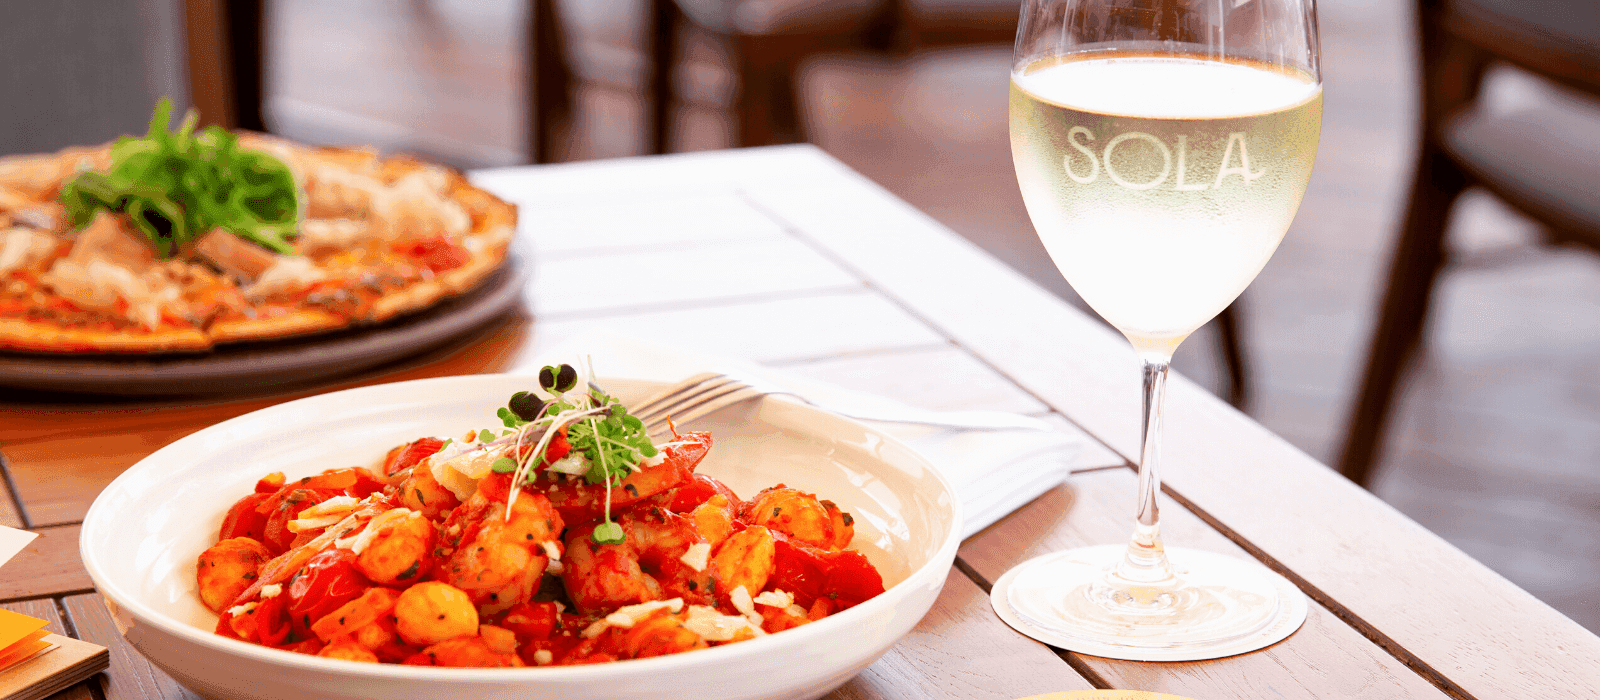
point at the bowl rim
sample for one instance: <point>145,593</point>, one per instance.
<point>931,572</point>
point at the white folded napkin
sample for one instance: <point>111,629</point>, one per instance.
<point>993,471</point>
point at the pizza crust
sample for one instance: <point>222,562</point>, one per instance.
<point>33,336</point>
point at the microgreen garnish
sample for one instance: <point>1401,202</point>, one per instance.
<point>177,186</point>
<point>608,533</point>
<point>596,426</point>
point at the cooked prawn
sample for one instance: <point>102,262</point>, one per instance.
<point>653,562</point>
<point>227,569</point>
<point>499,561</point>
<point>400,550</point>
<point>747,558</point>
<point>801,516</point>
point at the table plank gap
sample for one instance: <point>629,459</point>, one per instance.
<point>708,302</point>
<point>130,677</point>
<point>12,511</point>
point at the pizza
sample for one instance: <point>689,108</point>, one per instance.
<point>181,241</point>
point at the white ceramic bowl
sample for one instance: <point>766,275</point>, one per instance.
<point>142,535</point>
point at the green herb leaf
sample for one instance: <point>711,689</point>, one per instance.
<point>177,186</point>
<point>504,465</point>
<point>485,436</point>
<point>608,533</point>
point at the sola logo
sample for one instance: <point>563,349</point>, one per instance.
<point>1081,139</point>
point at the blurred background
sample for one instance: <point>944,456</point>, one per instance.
<point>1494,436</point>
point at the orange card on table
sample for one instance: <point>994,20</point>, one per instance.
<point>21,637</point>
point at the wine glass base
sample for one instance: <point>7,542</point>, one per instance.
<point>1219,606</point>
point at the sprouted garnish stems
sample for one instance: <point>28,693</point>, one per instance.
<point>597,427</point>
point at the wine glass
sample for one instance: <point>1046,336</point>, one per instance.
<point>1162,148</point>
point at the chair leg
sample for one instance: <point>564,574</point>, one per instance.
<point>662,50</point>
<point>1234,360</point>
<point>767,100</point>
<point>550,81</point>
<point>1417,262</point>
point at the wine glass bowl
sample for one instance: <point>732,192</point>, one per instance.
<point>1162,148</point>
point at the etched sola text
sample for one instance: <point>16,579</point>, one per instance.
<point>1085,163</point>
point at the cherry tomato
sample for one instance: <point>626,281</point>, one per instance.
<point>558,448</point>
<point>410,455</point>
<point>284,506</point>
<point>531,621</point>
<point>851,578</point>
<point>272,620</point>
<point>243,520</point>
<point>327,581</point>
<point>696,490</point>
<point>798,569</point>
<point>496,486</point>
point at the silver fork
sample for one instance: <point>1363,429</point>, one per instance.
<point>706,393</point>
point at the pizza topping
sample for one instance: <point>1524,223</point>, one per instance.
<point>107,238</point>
<point>177,186</point>
<point>233,254</point>
<point>103,286</point>
<point>21,248</point>
<point>322,235</point>
<point>287,275</point>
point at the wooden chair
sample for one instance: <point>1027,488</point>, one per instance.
<point>767,57</point>
<point>1526,158</point>
<point>766,42</point>
<point>227,67</point>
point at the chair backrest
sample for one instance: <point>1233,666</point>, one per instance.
<point>1558,39</point>
<point>76,72</point>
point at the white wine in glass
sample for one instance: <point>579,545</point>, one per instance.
<point>1162,148</point>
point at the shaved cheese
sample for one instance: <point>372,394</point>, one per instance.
<point>302,524</point>
<point>238,610</point>
<point>795,611</point>
<point>627,616</point>
<point>475,464</point>
<point>336,505</point>
<point>271,590</point>
<point>543,657</point>
<point>288,274</point>
<point>742,602</point>
<point>698,555</point>
<point>714,626</point>
<point>775,598</point>
<point>553,558</point>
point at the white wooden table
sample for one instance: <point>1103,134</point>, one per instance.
<point>783,256</point>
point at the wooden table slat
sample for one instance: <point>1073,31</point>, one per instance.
<point>131,677</point>
<point>960,648</point>
<point>48,565</point>
<point>1324,660</point>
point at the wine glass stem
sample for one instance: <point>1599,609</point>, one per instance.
<point>1146,561</point>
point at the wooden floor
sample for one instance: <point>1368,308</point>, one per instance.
<point>1498,442</point>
